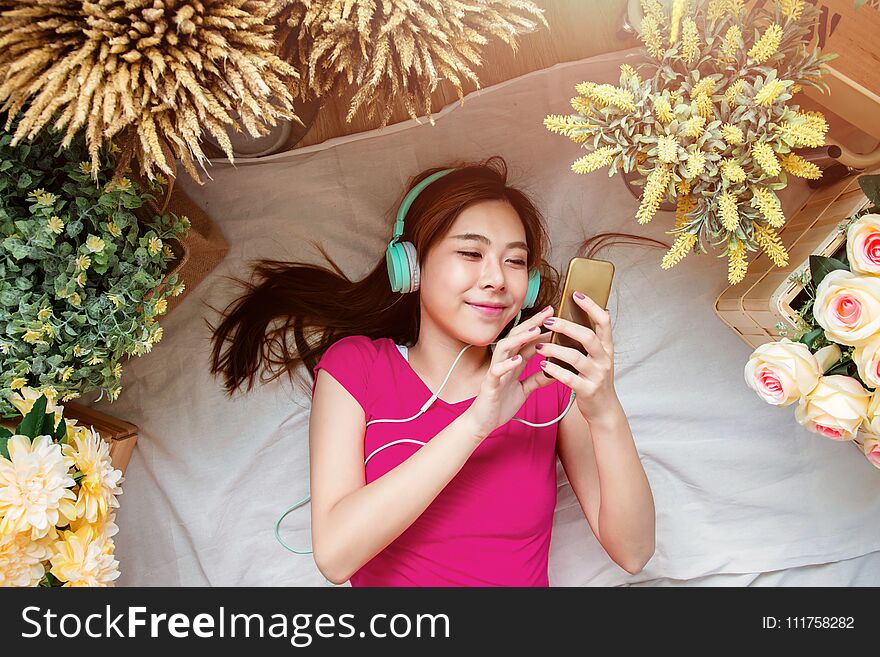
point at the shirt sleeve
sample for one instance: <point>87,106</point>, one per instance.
<point>350,361</point>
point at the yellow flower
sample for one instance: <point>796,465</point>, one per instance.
<point>161,307</point>
<point>154,246</point>
<point>798,166</point>
<point>77,350</point>
<point>651,36</point>
<point>732,134</point>
<point>42,197</point>
<point>157,334</point>
<point>55,225</point>
<point>627,72</point>
<point>678,7</point>
<point>727,207</point>
<point>683,245</point>
<point>606,95</point>
<point>21,560</point>
<point>95,360</point>
<point>696,164</point>
<point>100,484</point>
<point>95,244</point>
<point>117,370</point>
<point>167,252</point>
<point>792,8</point>
<point>768,240</point>
<point>123,184</point>
<point>66,373</point>
<point>737,264</point>
<point>114,299</point>
<point>764,155</point>
<point>732,40</point>
<point>74,299</point>
<point>690,41</point>
<point>655,191</point>
<point>733,91</point>
<point>581,105</point>
<point>83,262</point>
<point>705,87</point>
<point>44,314</point>
<point>17,383</point>
<point>732,170</point>
<point>705,107</point>
<point>177,289</point>
<point>769,93</point>
<point>35,487</point>
<point>48,330</point>
<point>684,205</point>
<point>82,279</point>
<point>768,205</point>
<point>26,398</point>
<point>767,45</point>
<point>663,110</point>
<point>573,127</point>
<point>667,149</point>
<point>694,126</point>
<point>5,347</point>
<point>85,167</point>
<point>84,558</point>
<point>113,229</point>
<point>601,157</point>
<point>32,337</point>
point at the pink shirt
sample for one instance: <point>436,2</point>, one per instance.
<point>491,525</point>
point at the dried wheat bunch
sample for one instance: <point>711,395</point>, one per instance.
<point>153,74</point>
<point>385,49</point>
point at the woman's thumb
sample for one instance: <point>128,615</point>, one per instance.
<point>536,381</point>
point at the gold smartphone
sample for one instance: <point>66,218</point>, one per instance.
<point>593,278</point>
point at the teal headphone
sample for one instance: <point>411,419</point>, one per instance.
<point>403,273</point>
<point>402,261</point>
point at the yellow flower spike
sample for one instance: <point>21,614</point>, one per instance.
<point>769,93</point>
<point>705,107</point>
<point>732,40</point>
<point>684,205</point>
<point>601,157</point>
<point>766,158</point>
<point>769,241</point>
<point>667,149</point>
<point>696,164</point>
<point>767,203</point>
<point>565,125</point>
<point>732,170</point>
<point>765,47</point>
<point>581,105</point>
<point>651,36</point>
<point>792,9</point>
<point>683,245</point>
<point>695,126</point>
<point>737,264</point>
<point>655,191</point>
<point>798,166</point>
<point>609,95</point>
<point>690,41</point>
<point>663,110</point>
<point>729,214</point>
<point>733,91</point>
<point>732,134</point>
<point>705,87</point>
<point>627,72</point>
<point>683,187</point>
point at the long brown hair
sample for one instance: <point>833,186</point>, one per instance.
<point>294,311</point>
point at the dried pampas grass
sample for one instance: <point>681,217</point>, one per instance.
<point>389,49</point>
<point>153,74</point>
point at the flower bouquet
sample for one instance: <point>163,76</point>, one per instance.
<point>58,490</point>
<point>711,128</point>
<point>83,279</point>
<point>831,367</point>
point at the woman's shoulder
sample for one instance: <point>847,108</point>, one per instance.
<point>357,348</point>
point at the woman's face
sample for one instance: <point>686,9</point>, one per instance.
<point>488,268</point>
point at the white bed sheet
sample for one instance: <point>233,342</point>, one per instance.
<point>743,494</point>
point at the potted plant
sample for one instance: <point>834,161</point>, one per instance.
<point>708,124</point>
<point>83,280</point>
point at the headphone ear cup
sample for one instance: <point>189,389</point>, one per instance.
<point>395,261</point>
<point>412,264</point>
<point>533,289</point>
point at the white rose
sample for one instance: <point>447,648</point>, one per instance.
<point>835,408</point>
<point>863,245</point>
<point>847,306</point>
<point>867,359</point>
<point>782,372</point>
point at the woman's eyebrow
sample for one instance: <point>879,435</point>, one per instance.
<point>486,240</point>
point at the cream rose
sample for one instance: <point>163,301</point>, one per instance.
<point>782,372</point>
<point>871,425</point>
<point>835,408</point>
<point>871,448</point>
<point>867,360</point>
<point>847,306</point>
<point>863,245</point>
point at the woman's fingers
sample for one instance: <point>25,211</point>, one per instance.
<point>534,321</point>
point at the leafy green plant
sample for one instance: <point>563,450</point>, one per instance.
<point>82,268</point>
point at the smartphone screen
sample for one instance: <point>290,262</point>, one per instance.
<point>593,278</point>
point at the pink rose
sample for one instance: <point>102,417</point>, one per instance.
<point>782,372</point>
<point>863,244</point>
<point>835,408</point>
<point>871,448</point>
<point>847,306</point>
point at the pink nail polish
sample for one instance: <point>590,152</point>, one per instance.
<point>578,295</point>
<point>549,321</point>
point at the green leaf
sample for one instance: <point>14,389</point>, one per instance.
<point>33,421</point>
<point>60,432</point>
<point>810,338</point>
<point>843,369</point>
<point>859,3</point>
<point>871,187</point>
<point>5,435</point>
<point>820,267</point>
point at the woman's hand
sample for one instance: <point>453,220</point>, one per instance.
<point>594,383</point>
<point>502,394</point>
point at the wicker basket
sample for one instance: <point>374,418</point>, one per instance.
<point>764,298</point>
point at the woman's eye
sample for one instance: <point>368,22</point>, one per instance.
<point>473,254</point>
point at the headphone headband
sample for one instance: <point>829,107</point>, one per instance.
<point>408,201</point>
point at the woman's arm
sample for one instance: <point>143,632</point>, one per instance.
<point>603,467</point>
<point>352,521</point>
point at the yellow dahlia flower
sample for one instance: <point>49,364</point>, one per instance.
<point>100,484</point>
<point>21,560</point>
<point>35,487</point>
<point>26,398</point>
<point>85,557</point>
